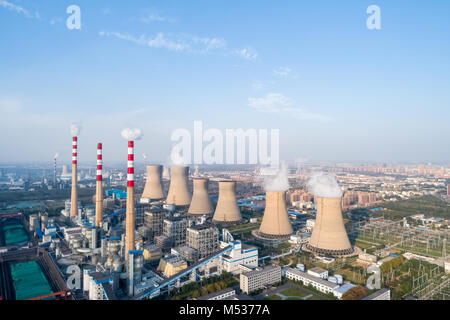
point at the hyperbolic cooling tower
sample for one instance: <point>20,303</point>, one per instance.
<point>227,210</point>
<point>200,204</point>
<point>178,190</point>
<point>275,223</point>
<point>153,187</point>
<point>329,235</point>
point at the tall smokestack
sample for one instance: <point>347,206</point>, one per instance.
<point>275,223</point>
<point>74,195</point>
<point>99,190</point>
<point>201,203</point>
<point>130,223</point>
<point>54,170</point>
<point>227,210</point>
<point>153,187</point>
<point>178,190</point>
<point>329,235</point>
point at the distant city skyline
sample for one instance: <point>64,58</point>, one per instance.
<point>337,91</point>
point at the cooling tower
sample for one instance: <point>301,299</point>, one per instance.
<point>178,190</point>
<point>129,218</point>
<point>153,187</point>
<point>64,171</point>
<point>329,235</point>
<point>200,204</point>
<point>275,223</point>
<point>99,189</point>
<point>74,195</point>
<point>227,210</point>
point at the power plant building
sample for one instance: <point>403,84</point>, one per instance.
<point>175,229</point>
<point>204,238</point>
<point>259,278</point>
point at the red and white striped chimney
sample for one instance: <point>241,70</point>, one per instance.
<point>129,221</point>
<point>74,195</point>
<point>99,190</point>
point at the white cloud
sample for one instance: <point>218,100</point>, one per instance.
<point>179,42</point>
<point>16,8</point>
<point>277,103</point>
<point>248,53</point>
<point>282,71</point>
<point>155,17</point>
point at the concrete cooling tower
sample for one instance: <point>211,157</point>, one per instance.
<point>178,190</point>
<point>201,203</point>
<point>153,187</point>
<point>275,223</point>
<point>329,235</point>
<point>227,210</point>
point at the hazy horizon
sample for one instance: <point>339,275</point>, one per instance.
<point>336,90</point>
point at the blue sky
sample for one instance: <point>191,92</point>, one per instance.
<point>336,90</point>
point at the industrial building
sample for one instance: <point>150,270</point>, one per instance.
<point>307,279</point>
<point>204,238</point>
<point>154,220</point>
<point>175,228</point>
<point>382,294</point>
<point>259,278</point>
<point>241,255</point>
<point>225,294</point>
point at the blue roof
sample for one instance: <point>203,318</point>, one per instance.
<point>135,252</point>
<point>344,288</point>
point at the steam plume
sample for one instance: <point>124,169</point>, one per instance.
<point>279,181</point>
<point>324,185</point>
<point>56,155</point>
<point>132,134</point>
<point>75,129</point>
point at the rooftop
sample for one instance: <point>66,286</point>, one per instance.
<point>312,278</point>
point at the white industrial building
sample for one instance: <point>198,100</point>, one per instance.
<point>257,279</point>
<point>319,273</point>
<point>225,294</point>
<point>240,255</point>
<point>307,279</point>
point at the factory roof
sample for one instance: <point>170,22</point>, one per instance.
<point>100,278</point>
<point>201,226</point>
<point>257,271</point>
<point>376,294</point>
<point>215,294</point>
<point>344,288</point>
<point>312,278</point>
<point>317,270</point>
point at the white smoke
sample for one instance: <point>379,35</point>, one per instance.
<point>132,134</point>
<point>279,181</point>
<point>324,185</point>
<point>56,155</point>
<point>75,129</point>
<point>144,155</point>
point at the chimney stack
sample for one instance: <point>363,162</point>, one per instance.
<point>329,236</point>
<point>227,210</point>
<point>275,223</point>
<point>74,195</point>
<point>201,203</point>
<point>99,190</point>
<point>153,186</point>
<point>129,219</point>
<point>178,190</point>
